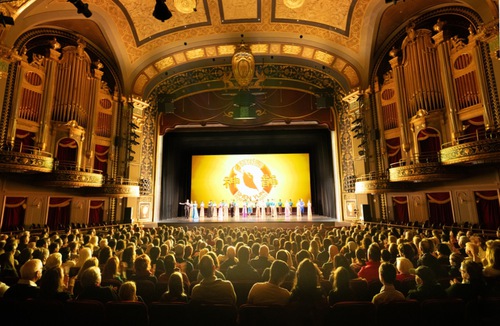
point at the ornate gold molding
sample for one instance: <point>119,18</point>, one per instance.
<point>73,179</point>
<point>479,152</point>
<point>422,172</point>
<point>19,162</point>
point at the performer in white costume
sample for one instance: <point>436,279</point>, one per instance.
<point>202,209</point>
<point>309,209</point>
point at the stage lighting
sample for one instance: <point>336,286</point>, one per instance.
<point>82,8</point>
<point>161,11</point>
<point>6,20</point>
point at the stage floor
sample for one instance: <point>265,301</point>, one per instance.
<point>250,221</point>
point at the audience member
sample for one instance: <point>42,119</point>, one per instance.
<point>472,286</point>
<point>26,287</point>
<point>176,291</point>
<point>341,290</point>
<point>142,269</point>
<point>388,293</point>
<point>91,287</point>
<point>52,285</point>
<point>370,271</point>
<point>128,292</point>
<point>270,292</point>
<point>212,289</point>
<point>427,285</point>
<point>242,271</point>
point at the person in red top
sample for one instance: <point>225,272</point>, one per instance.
<point>370,270</point>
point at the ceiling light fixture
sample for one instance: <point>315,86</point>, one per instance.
<point>82,8</point>
<point>161,11</point>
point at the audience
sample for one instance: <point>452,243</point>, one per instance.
<point>92,289</point>
<point>242,271</point>
<point>128,292</point>
<point>176,291</point>
<point>341,290</point>
<point>370,271</point>
<point>427,285</point>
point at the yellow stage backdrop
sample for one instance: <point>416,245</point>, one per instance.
<point>250,178</point>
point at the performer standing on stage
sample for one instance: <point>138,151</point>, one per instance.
<point>214,209</point>
<point>280,206</point>
<point>274,211</point>
<point>231,207</point>
<point>290,203</point>
<point>187,208</point>
<point>236,210</point>
<point>299,209</point>
<point>202,209</point>
<point>194,213</point>
<point>309,209</point>
<point>221,210</point>
<point>226,210</point>
<point>302,207</point>
<point>244,210</point>
<point>288,209</point>
<point>209,210</point>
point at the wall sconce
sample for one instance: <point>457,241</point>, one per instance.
<point>417,202</point>
<point>462,197</point>
<point>37,204</point>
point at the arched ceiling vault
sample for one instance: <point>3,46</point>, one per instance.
<point>331,40</point>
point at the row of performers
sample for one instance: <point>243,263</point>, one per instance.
<point>232,209</point>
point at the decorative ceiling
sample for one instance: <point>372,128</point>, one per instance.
<point>332,40</point>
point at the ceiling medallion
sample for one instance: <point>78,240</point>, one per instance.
<point>243,64</point>
<point>294,4</point>
<point>185,6</point>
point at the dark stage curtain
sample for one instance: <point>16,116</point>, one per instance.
<point>13,215</point>
<point>488,209</point>
<point>440,211</point>
<point>179,146</point>
<point>401,214</point>
<point>59,213</point>
<point>96,213</point>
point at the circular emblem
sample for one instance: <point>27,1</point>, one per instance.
<point>250,180</point>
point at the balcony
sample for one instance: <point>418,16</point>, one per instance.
<point>425,167</point>
<point>117,188</point>
<point>375,183</point>
<point>69,175</point>
<point>25,159</point>
<point>482,147</point>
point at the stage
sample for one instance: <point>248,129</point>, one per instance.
<point>251,221</point>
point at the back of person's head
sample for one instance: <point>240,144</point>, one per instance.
<point>443,249</point>
<point>52,280</point>
<point>332,251</point>
<point>385,255</point>
<point>264,251</point>
<point>493,253</point>
<point>231,252</point>
<point>154,253</point>
<point>91,277</point>
<point>128,291</point>
<point>341,278</point>
<point>54,260</point>
<point>387,273</point>
<point>426,246</point>
<point>206,266</point>
<point>340,261</point>
<point>302,255</point>
<point>425,274</point>
<point>279,271</point>
<point>403,265</point>
<point>176,284</point>
<point>142,263</point>
<point>361,254</point>
<point>282,255</point>
<point>473,270</point>
<point>374,252</point>
<point>31,270</point>
<point>456,259</point>
<point>307,276</point>
<point>244,254</point>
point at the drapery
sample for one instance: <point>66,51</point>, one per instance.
<point>13,214</point>
<point>488,208</point>
<point>400,204</point>
<point>429,143</point>
<point>59,213</point>
<point>101,158</point>
<point>393,150</point>
<point>440,211</point>
<point>67,151</point>
<point>24,141</point>
<point>96,213</point>
<point>473,125</point>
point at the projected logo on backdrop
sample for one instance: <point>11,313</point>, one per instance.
<point>250,180</point>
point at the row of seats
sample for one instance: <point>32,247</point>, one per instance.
<point>353,313</point>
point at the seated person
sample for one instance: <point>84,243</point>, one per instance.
<point>427,285</point>
<point>176,291</point>
<point>270,293</point>
<point>26,287</point>
<point>388,293</point>
<point>142,269</point>
<point>472,285</point>
<point>243,271</point>
<point>211,289</point>
<point>341,290</point>
<point>92,289</point>
<point>128,292</point>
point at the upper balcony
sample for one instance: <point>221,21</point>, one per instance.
<point>117,188</point>
<point>425,167</point>
<point>19,158</point>
<point>377,183</point>
<point>482,147</point>
<point>69,175</point>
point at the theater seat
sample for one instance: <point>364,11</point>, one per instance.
<point>169,313</point>
<point>85,312</point>
<point>360,288</point>
<point>439,312</point>
<point>213,314</point>
<point>253,315</point>
<point>397,313</point>
<point>352,313</point>
<point>127,313</point>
